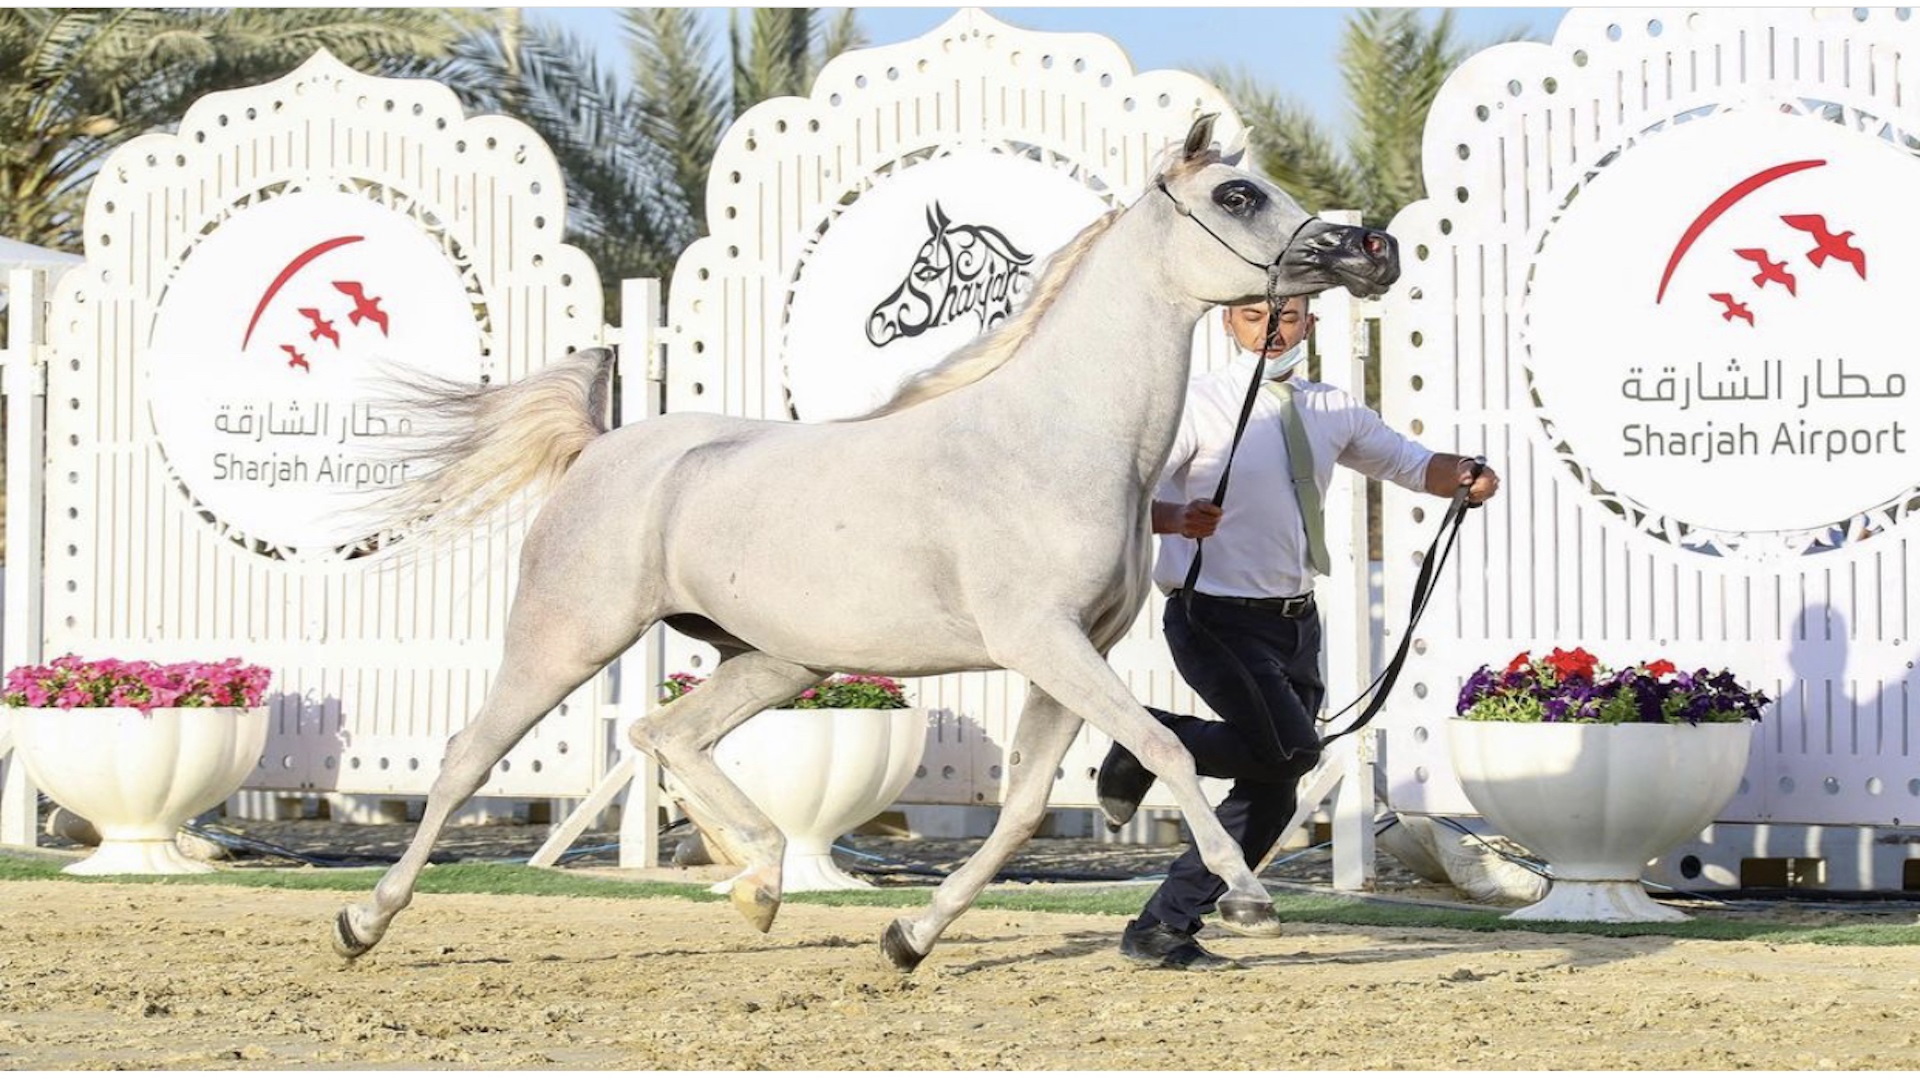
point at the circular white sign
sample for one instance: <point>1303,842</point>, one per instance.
<point>261,368</point>
<point>922,263</point>
<point>1716,326</point>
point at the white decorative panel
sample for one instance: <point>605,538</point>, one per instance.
<point>822,198</point>
<point>256,265</point>
<point>1700,462</point>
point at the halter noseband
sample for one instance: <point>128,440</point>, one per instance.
<point>1272,268</point>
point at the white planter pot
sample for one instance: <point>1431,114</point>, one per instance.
<point>818,773</point>
<point>139,777</point>
<point>1598,802</point>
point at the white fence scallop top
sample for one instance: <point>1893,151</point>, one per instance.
<point>1522,141</point>
<point>376,661</point>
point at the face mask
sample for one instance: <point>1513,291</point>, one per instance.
<point>1278,366</point>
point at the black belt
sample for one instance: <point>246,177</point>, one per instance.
<point>1292,607</point>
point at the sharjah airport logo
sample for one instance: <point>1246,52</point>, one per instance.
<point>1717,317</point>
<point>1829,245</point>
<point>961,270</point>
<point>328,303</point>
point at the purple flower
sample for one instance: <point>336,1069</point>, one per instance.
<point>1656,692</point>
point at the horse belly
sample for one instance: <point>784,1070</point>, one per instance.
<point>831,595</point>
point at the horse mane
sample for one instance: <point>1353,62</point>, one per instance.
<point>974,361</point>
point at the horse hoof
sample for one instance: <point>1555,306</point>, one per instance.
<point>345,941</point>
<point>757,901</point>
<point>1253,918</point>
<point>898,950</point>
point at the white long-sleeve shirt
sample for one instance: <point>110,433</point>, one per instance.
<point>1260,547</point>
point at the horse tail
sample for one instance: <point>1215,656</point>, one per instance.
<point>483,445</point>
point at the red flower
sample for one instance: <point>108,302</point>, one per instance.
<point>1576,664</point>
<point>1660,668</point>
<point>1518,662</point>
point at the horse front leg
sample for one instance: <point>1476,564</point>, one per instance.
<point>1040,743</point>
<point>1059,659</point>
<point>682,736</point>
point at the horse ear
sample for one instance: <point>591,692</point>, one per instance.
<point>1200,136</point>
<point>1236,149</point>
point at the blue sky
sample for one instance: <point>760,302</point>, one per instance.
<point>1293,50</point>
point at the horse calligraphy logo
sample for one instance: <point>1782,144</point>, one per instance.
<point>345,299</point>
<point>961,270</point>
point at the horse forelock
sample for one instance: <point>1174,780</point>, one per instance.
<point>974,361</point>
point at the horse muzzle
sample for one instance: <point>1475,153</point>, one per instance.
<point>1365,261</point>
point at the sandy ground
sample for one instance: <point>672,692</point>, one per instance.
<point>109,975</point>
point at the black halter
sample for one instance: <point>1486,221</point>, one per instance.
<point>1273,268</point>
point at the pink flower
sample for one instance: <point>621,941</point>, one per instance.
<point>71,682</point>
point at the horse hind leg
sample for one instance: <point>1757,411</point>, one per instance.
<point>1040,742</point>
<point>682,736</point>
<point>554,644</point>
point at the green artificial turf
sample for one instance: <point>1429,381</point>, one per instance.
<point>506,879</point>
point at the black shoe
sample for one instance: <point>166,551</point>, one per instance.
<point>1162,946</point>
<point>1120,784</point>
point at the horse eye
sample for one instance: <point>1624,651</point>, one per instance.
<point>1237,198</point>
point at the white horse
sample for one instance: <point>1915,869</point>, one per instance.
<point>1020,471</point>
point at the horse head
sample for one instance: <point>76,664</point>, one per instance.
<point>1235,237</point>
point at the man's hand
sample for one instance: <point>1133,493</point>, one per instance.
<point>1484,487</point>
<point>1446,473</point>
<point>1195,520</point>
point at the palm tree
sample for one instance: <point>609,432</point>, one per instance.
<point>76,83</point>
<point>1394,66</point>
<point>636,157</point>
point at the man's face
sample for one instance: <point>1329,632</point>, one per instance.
<point>1248,325</point>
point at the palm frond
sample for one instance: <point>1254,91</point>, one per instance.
<point>684,105</point>
<point>1290,146</point>
<point>843,34</point>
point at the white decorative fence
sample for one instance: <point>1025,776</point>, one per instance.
<point>209,372</point>
<point>985,139</point>
<point>206,441</point>
<point>1587,300</point>
<point>210,379</point>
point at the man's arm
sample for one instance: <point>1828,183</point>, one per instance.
<point>1446,472</point>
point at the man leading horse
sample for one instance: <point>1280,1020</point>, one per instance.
<point>1248,638</point>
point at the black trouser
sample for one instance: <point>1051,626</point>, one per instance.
<point>1283,657</point>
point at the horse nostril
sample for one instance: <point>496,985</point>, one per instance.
<point>1373,244</point>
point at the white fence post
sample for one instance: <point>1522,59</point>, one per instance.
<point>1345,773</point>
<point>642,396</point>
<point>641,668</point>
<point>26,487</point>
<point>1348,634</point>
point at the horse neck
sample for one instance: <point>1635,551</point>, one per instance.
<point>1111,357</point>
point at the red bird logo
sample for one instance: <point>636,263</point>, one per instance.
<point>364,306</point>
<point>1735,309</point>
<point>322,328</point>
<point>1769,270</point>
<point>296,358</point>
<point>1828,244</point>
